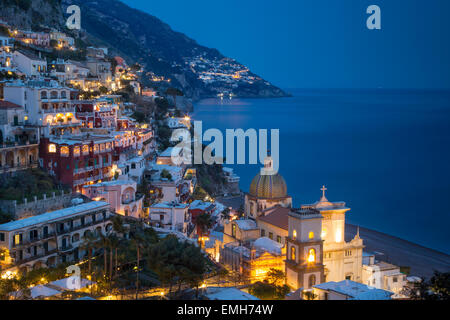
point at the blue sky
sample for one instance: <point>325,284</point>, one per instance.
<point>321,43</point>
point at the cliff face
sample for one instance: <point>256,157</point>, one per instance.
<point>32,14</point>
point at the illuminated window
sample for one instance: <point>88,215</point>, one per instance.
<point>85,149</point>
<point>311,255</point>
<point>233,230</point>
<point>52,148</point>
<point>65,151</point>
<point>96,148</point>
<point>18,239</point>
<point>311,235</point>
<point>324,232</point>
<point>76,151</point>
<point>294,234</point>
<point>293,253</point>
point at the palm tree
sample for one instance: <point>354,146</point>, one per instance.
<point>137,241</point>
<point>114,243</point>
<point>89,243</point>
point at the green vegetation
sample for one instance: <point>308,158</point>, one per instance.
<point>6,217</point>
<point>164,134</point>
<point>272,288</point>
<point>437,288</point>
<point>138,116</point>
<point>27,184</point>
<point>166,174</point>
<point>177,263</point>
<point>210,178</point>
<point>199,193</point>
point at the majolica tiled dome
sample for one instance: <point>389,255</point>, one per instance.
<point>268,186</point>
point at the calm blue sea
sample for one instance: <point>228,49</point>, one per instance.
<point>385,153</point>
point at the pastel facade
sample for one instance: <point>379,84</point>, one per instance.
<point>120,194</point>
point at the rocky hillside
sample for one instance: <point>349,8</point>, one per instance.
<point>169,58</point>
<point>32,14</point>
<point>143,38</point>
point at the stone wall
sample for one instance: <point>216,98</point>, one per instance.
<point>32,207</point>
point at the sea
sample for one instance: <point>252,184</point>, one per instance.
<point>386,153</point>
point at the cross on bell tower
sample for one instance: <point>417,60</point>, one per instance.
<point>323,192</point>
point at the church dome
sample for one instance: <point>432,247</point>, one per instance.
<point>268,186</point>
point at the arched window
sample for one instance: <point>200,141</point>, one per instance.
<point>76,237</point>
<point>65,151</point>
<point>63,95</point>
<point>311,281</point>
<point>311,235</point>
<point>311,255</point>
<point>43,94</point>
<point>52,148</point>
<point>76,151</point>
<point>294,234</point>
<point>54,95</point>
<point>293,253</point>
<point>85,149</point>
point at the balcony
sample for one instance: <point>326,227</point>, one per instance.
<point>38,256</point>
<point>66,248</point>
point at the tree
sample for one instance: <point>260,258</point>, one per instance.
<point>166,174</point>
<point>266,291</point>
<point>275,276</point>
<point>199,193</point>
<point>437,288</point>
<point>241,211</point>
<point>309,295</point>
<point>204,222</point>
<point>225,214</point>
<point>6,217</point>
<point>174,92</point>
<point>89,244</point>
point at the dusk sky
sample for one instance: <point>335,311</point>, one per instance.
<point>321,43</point>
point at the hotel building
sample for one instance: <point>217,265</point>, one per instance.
<point>51,238</point>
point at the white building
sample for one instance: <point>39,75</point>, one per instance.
<point>170,215</point>
<point>46,104</point>
<point>29,63</point>
<point>349,290</point>
<point>383,275</point>
<point>51,238</point>
<point>6,55</point>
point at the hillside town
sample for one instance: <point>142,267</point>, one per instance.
<point>88,183</point>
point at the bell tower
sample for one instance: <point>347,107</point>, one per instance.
<point>304,254</point>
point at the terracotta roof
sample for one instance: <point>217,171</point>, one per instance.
<point>8,105</point>
<point>277,216</point>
